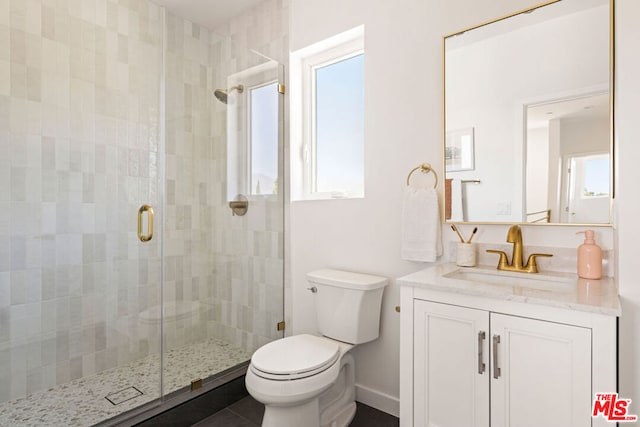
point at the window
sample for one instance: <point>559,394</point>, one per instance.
<point>332,96</point>
<point>263,139</point>
<point>587,188</point>
<point>596,175</point>
<point>338,139</point>
<point>252,108</point>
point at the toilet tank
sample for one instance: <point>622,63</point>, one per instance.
<point>348,304</point>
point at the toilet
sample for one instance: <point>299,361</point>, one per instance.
<point>309,380</point>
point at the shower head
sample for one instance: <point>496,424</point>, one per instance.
<point>222,94</point>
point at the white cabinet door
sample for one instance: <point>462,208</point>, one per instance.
<point>544,376</point>
<point>451,366</point>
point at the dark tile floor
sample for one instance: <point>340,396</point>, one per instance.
<point>230,405</point>
<point>248,413</point>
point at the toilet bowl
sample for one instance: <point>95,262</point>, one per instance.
<point>309,367</point>
<point>309,380</point>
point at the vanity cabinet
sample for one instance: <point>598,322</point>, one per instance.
<point>467,361</point>
<point>503,356</point>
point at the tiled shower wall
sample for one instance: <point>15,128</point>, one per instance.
<point>190,206</point>
<point>79,109</point>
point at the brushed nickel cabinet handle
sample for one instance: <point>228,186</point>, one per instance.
<point>481,365</point>
<point>496,369</point>
<point>149,210</point>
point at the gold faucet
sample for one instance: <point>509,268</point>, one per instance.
<point>515,236</point>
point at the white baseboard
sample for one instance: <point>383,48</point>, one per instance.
<point>377,399</point>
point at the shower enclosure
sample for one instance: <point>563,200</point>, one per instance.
<point>124,274</point>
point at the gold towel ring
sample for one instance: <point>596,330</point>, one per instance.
<point>424,168</point>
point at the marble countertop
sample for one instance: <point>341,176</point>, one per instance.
<point>563,290</point>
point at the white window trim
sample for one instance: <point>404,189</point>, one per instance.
<point>334,50</point>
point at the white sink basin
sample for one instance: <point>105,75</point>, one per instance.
<point>509,278</point>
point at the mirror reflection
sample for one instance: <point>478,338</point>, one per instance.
<point>527,117</point>
<point>567,175</point>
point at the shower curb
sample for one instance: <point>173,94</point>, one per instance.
<point>217,392</point>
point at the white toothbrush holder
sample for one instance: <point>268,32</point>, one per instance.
<point>465,254</point>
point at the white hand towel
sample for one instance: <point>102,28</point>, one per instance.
<point>421,225</point>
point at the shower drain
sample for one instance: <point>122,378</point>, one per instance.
<point>123,395</point>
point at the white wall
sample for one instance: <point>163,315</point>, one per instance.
<point>403,127</point>
<point>627,209</point>
<point>537,185</point>
<point>584,136</point>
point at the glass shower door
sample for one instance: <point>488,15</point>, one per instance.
<point>79,155</point>
<point>223,267</point>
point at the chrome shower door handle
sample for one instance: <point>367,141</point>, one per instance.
<point>496,369</point>
<point>149,210</point>
<point>481,365</point>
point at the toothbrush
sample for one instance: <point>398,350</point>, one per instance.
<point>454,228</point>
<point>473,233</point>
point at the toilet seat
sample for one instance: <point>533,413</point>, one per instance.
<point>295,357</point>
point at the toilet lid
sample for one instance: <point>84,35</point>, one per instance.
<point>294,357</point>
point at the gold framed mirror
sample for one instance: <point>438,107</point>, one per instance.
<point>528,117</point>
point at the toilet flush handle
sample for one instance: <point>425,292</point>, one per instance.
<point>313,289</point>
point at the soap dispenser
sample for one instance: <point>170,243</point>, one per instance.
<point>589,257</point>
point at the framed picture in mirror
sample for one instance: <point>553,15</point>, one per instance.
<point>459,151</point>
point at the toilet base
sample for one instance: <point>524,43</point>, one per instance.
<point>307,414</point>
<point>344,417</point>
<point>338,403</point>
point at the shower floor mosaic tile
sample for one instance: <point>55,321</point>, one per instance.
<point>82,402</point>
